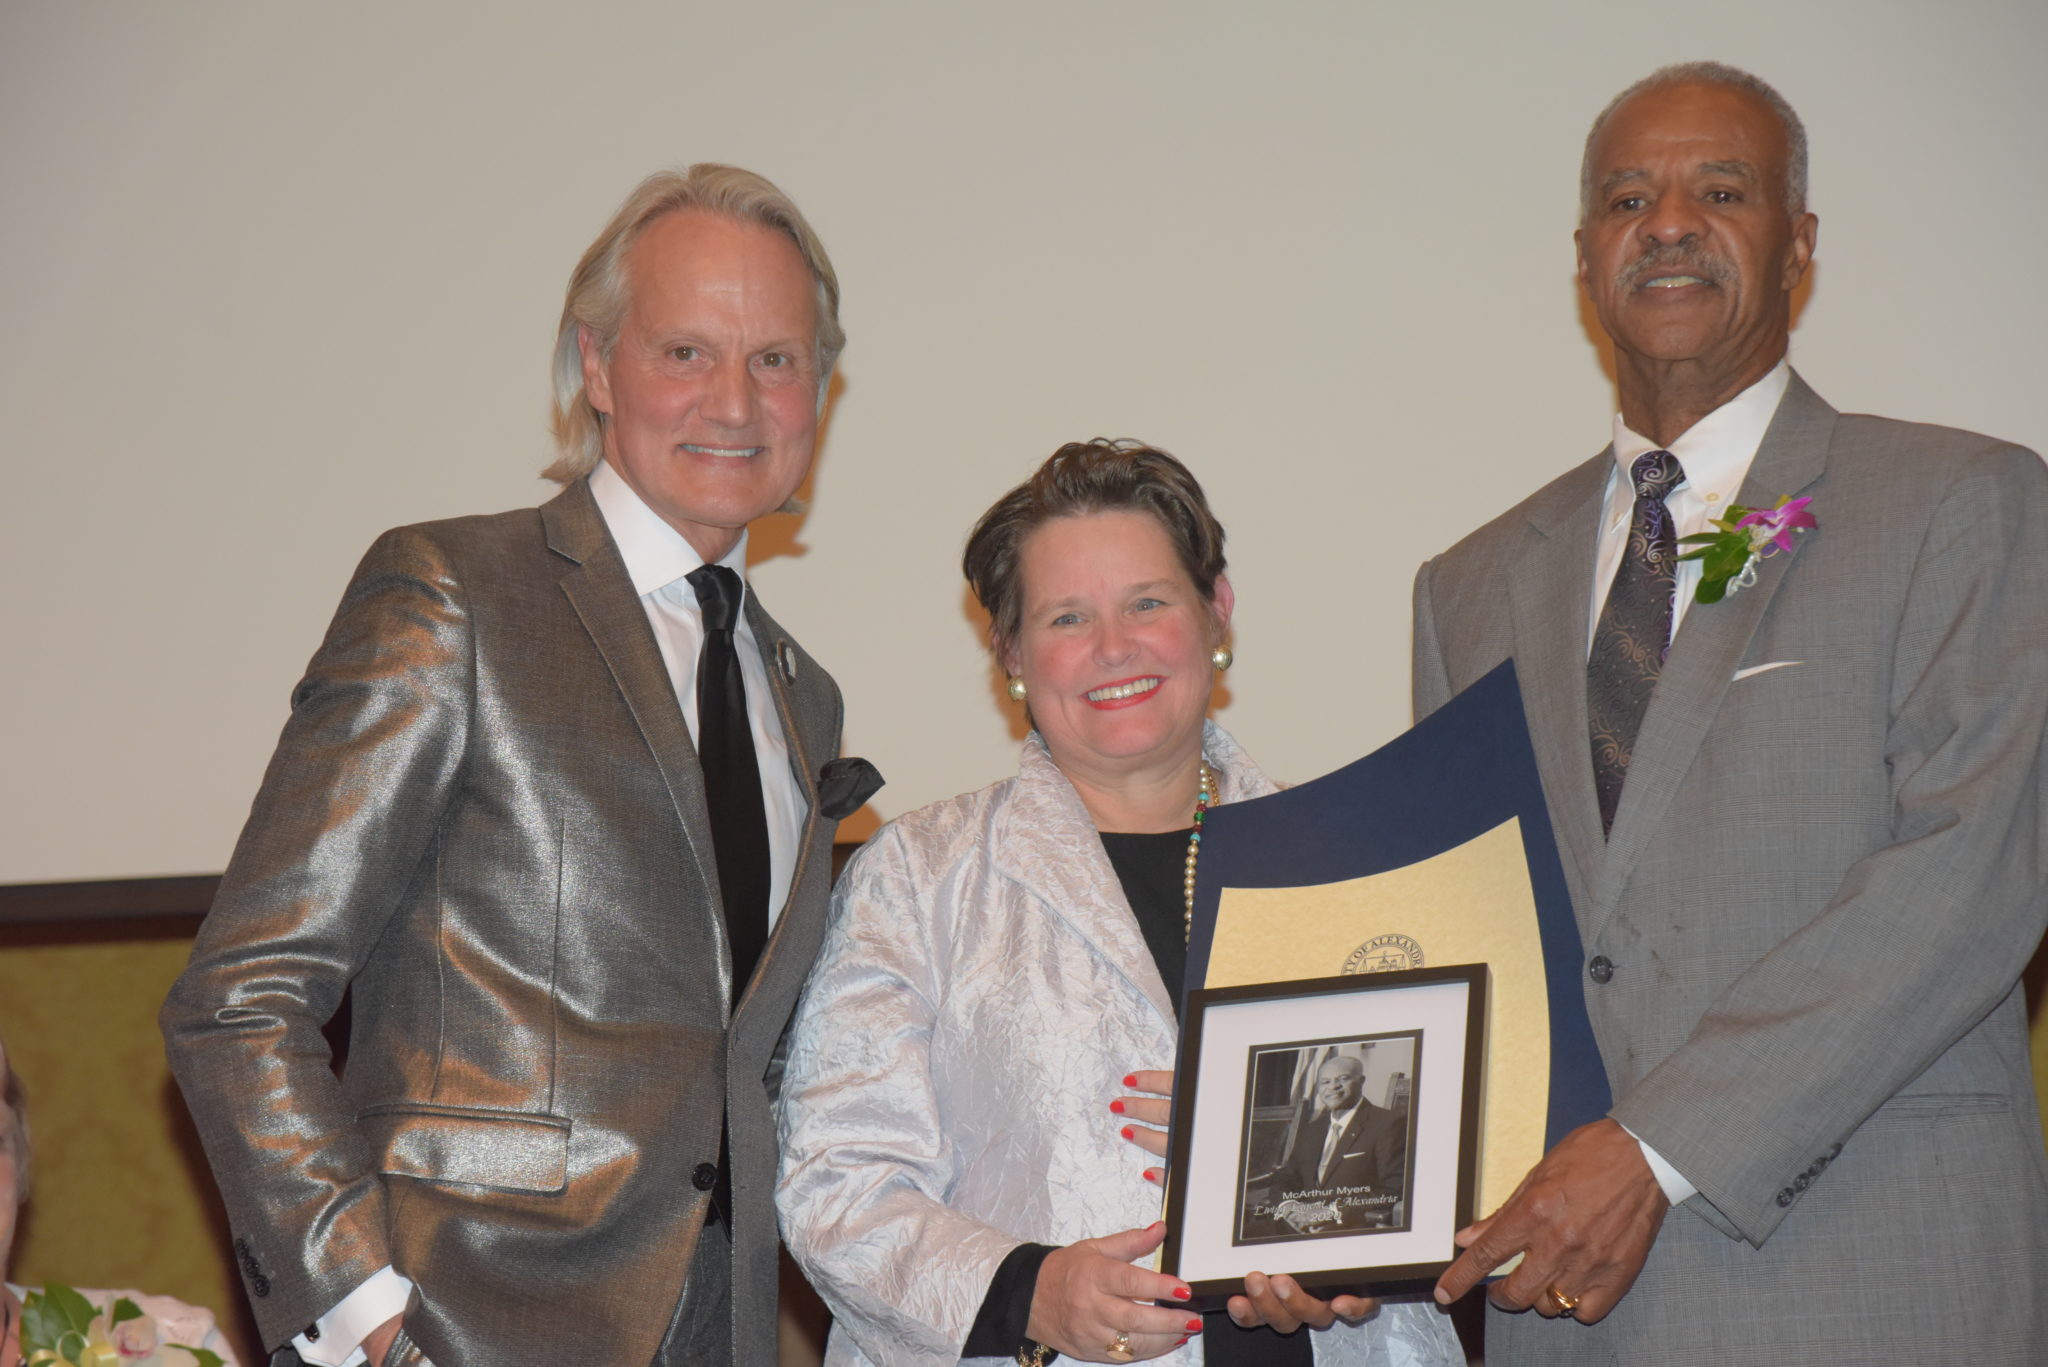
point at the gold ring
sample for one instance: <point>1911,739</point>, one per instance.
<point>1565,1304</point>
<point>1120,1347</point>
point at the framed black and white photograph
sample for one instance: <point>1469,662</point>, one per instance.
<point>1327,1129</point>
<point>1329,1124</point>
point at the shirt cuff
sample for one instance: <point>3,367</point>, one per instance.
<point>1676,1189</point>
<point>1000,1329</point>
<point>336,1338</point>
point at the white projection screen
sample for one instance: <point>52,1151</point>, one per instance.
<point>278,276</point>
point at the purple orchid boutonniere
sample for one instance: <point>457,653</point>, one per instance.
<point>1728,558</point>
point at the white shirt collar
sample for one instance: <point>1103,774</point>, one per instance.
<point>1716,451</point>
<point>655,553</point>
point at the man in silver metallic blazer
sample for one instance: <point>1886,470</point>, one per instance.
<point>501,818</point>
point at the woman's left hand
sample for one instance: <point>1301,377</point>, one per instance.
<point>1147,1111</point>
<point>1280,1302</point>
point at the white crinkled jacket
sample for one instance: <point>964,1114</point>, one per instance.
<point>982,992</point>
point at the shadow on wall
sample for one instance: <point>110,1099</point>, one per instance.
<point>2036,980</point>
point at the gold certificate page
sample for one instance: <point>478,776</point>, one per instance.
<point>1472,904</point>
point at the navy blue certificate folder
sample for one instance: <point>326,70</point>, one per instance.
<point>1463,780</point>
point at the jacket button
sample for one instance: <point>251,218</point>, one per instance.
<point>260,1285</point>
<point>705,1177</point>
<point>1601,969</point>
<point>1785,1197</point>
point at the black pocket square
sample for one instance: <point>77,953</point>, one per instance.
<point>844,784</point>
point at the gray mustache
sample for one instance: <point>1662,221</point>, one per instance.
<point>1683,259</point>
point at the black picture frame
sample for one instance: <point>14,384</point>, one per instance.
<point>1371,1208</point>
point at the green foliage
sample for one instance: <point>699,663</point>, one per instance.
<point>56,1320</point>
<point>1722,555</point>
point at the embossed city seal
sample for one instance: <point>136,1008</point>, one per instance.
<point>1384,954</point>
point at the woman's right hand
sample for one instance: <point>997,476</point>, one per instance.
<point>1091,1291</point>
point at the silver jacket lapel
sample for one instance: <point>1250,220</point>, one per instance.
<point>807,707</point>
<point>1082,889</point>
<point>601,591</point>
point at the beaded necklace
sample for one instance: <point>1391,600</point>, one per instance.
<point>1202,801</point>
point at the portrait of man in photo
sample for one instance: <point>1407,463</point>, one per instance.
<point>1322,1157</point>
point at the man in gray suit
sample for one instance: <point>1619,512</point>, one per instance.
<point>1349,1142</point>
<point>1805,843</point>
<point>554,808</point>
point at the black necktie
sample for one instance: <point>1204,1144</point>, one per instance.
<point>1635,630</point>
<point>732,774</point>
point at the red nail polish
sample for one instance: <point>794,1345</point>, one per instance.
<point>1151,1174</point>
<point>1183,1341</point>
<point>1193,1326</point>
<point>1129,1133</point>
<point>1181,1293</point>
<point>1117,1105</point>
<point>1131,1080</point>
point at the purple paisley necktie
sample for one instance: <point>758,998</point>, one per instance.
<point>1634,631</point>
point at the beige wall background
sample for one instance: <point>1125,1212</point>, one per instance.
<point>276,277</point>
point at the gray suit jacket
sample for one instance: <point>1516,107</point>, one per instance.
<point>1372,1152</point>
<point>485,822</point>
<point>1822,884</point>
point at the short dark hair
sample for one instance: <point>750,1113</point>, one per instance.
<point>1089,477</point>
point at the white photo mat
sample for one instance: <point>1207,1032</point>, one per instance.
<point>1209,1156</point>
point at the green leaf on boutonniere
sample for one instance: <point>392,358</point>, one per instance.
<point>206,1356</point>
<point>123,1311</point>
<point>1723,555</point>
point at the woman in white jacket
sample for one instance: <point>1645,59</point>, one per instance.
<point>1001,973</point>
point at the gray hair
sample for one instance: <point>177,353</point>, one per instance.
<point>1730,78</point>
<point>598,289</point>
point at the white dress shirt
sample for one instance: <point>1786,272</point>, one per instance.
<point>1715,453</point>
<point>1338,1123</point>
<point>657,561</point>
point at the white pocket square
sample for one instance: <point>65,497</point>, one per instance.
<point>1742,674</point>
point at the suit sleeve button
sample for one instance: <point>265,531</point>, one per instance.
<point>705,1177</point>
<point>1785,1197</point>
<point>1600,969</point>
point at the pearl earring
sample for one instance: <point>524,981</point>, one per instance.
<point>1221,658</point>
<point>1017,687</point>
